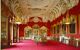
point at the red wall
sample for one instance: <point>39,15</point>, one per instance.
<point>22,26</point>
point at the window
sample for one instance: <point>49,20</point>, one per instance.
<point>57,28</point>
<point>64,28</point>
<point>54,30</point>
<point>72,28</point>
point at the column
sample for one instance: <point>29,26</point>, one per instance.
<point>11,32</point>
<point>8,31</point>
<point>78,32</point>
<point>60,37</point>
<point>18,33</point>
<point>77,22</point>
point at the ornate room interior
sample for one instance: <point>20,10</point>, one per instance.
<point>40,24</point>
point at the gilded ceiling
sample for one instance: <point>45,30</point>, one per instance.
<point>48,10</point>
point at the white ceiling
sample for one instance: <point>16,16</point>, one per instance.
<point>45,9</point>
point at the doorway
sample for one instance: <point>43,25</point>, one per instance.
<point>27,32</point>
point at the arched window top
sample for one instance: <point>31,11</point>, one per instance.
<point>43,28</point>
<point>27,28</point>
<point>36,26</point>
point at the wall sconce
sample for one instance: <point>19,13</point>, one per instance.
<point>17,22</point>
<point>67,18</point>
<point>67,22</point>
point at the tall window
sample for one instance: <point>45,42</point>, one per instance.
<point>57,28</point>
<point>54,30</point>
<point>72,24</point>
<point>64,28</point>
<point>72,28</point>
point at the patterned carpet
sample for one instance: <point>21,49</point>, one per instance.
<point>49,45</point>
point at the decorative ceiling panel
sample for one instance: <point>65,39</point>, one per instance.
<point>48,10</point>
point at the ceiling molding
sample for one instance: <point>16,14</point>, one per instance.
<point>48,10</point>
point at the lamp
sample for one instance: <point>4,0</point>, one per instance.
<point>17,22</point>
<point>67,22</point>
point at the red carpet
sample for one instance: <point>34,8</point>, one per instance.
<point>31,45</point>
